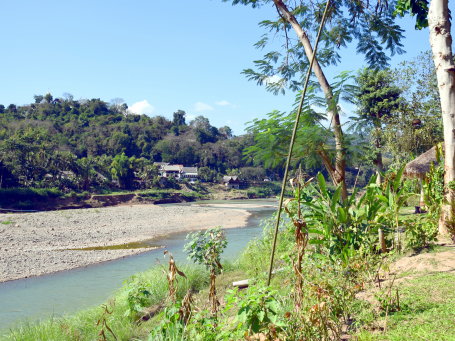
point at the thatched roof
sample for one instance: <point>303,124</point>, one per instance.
<point>418,167</point>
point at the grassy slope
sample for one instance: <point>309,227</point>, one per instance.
<point>427,302</point>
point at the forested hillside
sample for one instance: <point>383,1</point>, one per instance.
<point>79,144</point>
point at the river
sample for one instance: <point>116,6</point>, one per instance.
<point>65,292</point>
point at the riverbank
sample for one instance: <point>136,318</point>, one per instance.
<point>50,199</point>
<point>33,244</point>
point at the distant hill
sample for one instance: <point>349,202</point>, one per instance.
<point>78,144</point>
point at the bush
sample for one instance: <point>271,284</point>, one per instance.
<point>11,195</point>
<point>421,232</point>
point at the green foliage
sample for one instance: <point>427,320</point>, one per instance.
<point>370,24</point>
<point>257,309</point>
<point>273,134</point>
<point>376,98</point>
<point>389,300</point>
<point>433,187</point>
<point>417,8</point>
<point>420,232</point>
<point>205,247</point>
<point>71,145</point>
<point>138,298</point>
<point>340,227</point>
<point>122,169</point>
<point>416,126</point>
<point>8,195</point>
<point>170,327</point>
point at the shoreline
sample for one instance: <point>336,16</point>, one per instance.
<point>34,244</point>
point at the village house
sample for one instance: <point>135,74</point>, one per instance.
<point>231,182</point>
<point>189,173</point>
<point>178,172</point>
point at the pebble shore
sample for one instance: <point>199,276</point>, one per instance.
<point>32,244</point>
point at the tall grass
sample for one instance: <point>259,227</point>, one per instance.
<point>82,326</point>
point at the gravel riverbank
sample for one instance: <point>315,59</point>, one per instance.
<point>33,244</point>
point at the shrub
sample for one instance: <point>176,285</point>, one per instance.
<point>420,232</point>
<point>27,195</point>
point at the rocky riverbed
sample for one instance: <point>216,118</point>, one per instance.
<point>33,244</point>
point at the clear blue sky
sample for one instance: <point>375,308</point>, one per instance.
<point>159,56</point>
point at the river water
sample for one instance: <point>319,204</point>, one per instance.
<point>66,292</point>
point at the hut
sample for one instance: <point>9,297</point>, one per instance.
<point>231,182</point>
<point>420,166</point>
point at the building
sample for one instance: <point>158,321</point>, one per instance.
<point>231,182</point>
<point>189,173</point>
<point>177,172</point>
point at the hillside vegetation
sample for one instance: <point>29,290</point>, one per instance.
<point>78,145</point>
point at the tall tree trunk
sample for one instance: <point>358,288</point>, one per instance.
<point>441,46</point>
<point>379,168</point>
<point>378,158</point>
<point>340,158</point>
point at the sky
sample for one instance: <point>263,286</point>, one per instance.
<point>158,56</point>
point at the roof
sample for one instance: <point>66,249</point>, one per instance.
<point>170,168</point>
<point>228,178</point>
<point>418,167</point>
<point>161,164</point>
<point>190,170</point>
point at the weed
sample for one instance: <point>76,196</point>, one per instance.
<point>102,321</point>
<point>258,310</point>
<point>205,248</point>
<point>171,276</point>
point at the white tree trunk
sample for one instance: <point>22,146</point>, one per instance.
<point>441,46</point>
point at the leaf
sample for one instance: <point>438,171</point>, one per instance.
<point>261,316</point>
<point>316,241</point>
<point>242,316</point>
<point>316,231</point>
<point>322,184</point>
<point>342,214</point>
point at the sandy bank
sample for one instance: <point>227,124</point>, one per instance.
<point>32,244</point>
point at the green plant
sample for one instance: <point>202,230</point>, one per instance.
<point>433,187</point>
<point>171,327</point>
<point>339,227</point>
<point>205,248</point>
<point>138,297</point>
<point>258,310</point>
<point>389,300</point>
<point>421,231</point>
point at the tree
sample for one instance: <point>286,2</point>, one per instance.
<point>376,98</point>
<point>122,169</point>
<point>38,98</point>
<point>272,136</point>
<point>12,108</point>
<point>179,118</point>
<point>438,19</point>
<point>48,97</point>
<point>225,132</point>
<point>203,130</point>
<point>416,125</point>
<point>346,20</point>
<point>205,248</point>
